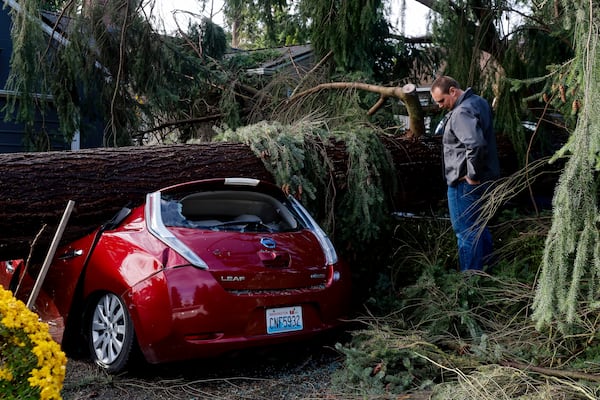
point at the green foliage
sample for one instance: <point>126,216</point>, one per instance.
<point>442,301</point>
<point>364,205</point>
<point>436,298</point>
<point>211,37</point>
<point>412,245</point>
<point>26,79</point>
<point>15,348</point>
<point>408,63</point>
<point>296,155</point>
<point>283,150</point>
<point>293,29</point>
<point>572,251</point>
<point>345,110</point>
<point>520,244</point>
<point>468,28</point>
<point>381,361</point>
<point>529,86</point>
<point>507,120</point>
<point>252,59</point>
<point>455,29</point>
<point>450,331</point>
<point>230,107</point>
<point>444,325</point>
<point>32,366</point>
<point>279,24</point>
<point>116,71</point>
<point>53,5</point>
<point>353,30</point>
<point>422,242</point>
<point>499,382</point>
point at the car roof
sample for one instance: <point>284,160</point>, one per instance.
<point>234,183</point>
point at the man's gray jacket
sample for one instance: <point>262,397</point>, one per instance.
<point>469,141</point>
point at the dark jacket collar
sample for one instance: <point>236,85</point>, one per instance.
<point>467,93</point>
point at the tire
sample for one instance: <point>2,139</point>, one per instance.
<point>110,333</point>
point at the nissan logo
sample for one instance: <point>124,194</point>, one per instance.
<point>269,243</point>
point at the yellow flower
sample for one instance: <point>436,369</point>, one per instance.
<point>21,328</point>
<point>5,374</point>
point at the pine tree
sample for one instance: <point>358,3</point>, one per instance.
<point>114,68</point>
<point>353,30</point>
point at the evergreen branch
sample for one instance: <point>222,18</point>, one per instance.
<point>571,245</point>
<point>312,70</point>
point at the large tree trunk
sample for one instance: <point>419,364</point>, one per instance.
<point>35,187</point>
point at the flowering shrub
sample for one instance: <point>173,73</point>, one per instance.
<point>31,363</point>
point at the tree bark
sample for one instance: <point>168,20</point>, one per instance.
<point>35,187</point>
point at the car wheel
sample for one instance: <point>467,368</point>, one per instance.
<point>110,333</point>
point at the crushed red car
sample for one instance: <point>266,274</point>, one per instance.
<point>199,269</point>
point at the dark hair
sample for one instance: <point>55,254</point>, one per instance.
<point>445,83</point>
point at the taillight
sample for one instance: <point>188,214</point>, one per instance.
<point>328,249</point>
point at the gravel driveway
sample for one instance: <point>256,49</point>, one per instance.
<point>299,371</point>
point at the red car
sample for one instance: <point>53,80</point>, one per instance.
<point>200,269</point>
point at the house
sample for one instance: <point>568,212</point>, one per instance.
<point>295,59</point>
<point>12,134</point>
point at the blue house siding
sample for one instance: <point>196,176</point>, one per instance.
<point>12,134</point>
<point>5,44</point>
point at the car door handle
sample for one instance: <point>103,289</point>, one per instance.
<point>71,254</point>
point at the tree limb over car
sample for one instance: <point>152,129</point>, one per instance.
<point>407,94</point>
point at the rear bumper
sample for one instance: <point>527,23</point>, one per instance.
<point>201,319</point>
<point>177,348</point>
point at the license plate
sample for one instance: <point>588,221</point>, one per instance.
<point>284,319</point>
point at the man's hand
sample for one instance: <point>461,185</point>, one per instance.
<point>472,182</point>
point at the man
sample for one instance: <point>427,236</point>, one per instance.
<point>470,163</point>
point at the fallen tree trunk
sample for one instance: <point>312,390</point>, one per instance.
<point>35,187</point>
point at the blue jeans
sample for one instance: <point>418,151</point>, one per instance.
<point>473,237</point>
